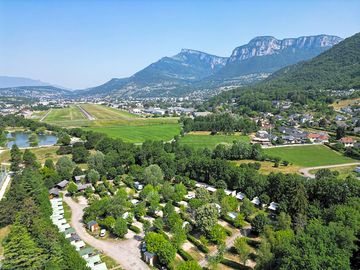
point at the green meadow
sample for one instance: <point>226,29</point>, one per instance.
<point>210,141</point>
<point>309,155</point>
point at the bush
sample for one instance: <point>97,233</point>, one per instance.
<point>135,229</point>
<point>186,256</point>
<point>198,244</point>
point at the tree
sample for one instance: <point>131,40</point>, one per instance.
<point>64,139</point>
<point>189,265</point>
<point>228,204</point>
<point>29,159</point>
<point>340,133</point>
<point>259,222</point>
<point>21,251</point>
<point>218,257</point>
<point>79,153</point>
<point>239,221</point>
<point>242,248</point>
<point>153,175</point>
<point>206,217</point>
<point>49,163</point>
<point>217,234</point>
<point>180,192</point>
<point>284,221</point>
<point>93,176</point>
<point>64,167</point>
<point>72,188</point>
<point>264,260</point>
<point>157,243</point>
<point>247,208</point>
<point>15,158</point>
<point>120,228</point>
<point>96,162</point>
<point>109,222</point>
<point>158,223</point>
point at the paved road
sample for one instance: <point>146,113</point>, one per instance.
<point>306,171</point>
<point>125,252</point>
<point>86,113</point>
<point>43,118</point>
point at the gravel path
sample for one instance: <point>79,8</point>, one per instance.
<point>306,171</point>
<point>125,252</point>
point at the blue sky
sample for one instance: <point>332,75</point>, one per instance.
<point>80,44</point>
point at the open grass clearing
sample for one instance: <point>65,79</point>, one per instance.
<point>268,167</point>
<point>211,141</point>
<point>343,171</point>
<point>138,134</point>
<point>337,105</point>
<point>3,233</point>
<point>309,155</point>
<point>42,153</point>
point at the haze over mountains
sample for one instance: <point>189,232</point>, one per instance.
<point>194,71</point>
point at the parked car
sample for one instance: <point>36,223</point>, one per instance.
<point>102,232</point>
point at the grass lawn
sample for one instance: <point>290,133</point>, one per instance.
<point>67,212</point>
<point>3,233</point>
<point>309,155</point>
<point>110,263</point>
<point>201,140</point>
<point>138,134</point>
<point>42,153</point>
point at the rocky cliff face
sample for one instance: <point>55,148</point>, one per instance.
<point>267,45</point>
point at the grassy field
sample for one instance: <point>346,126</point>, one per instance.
<point>343,103</point>
<point>268,167</point>
<point>71,113</point>
<point>309,156</point>
<point>104,112</point>
<point>42,153</point>
<point>137,134</point>
<point>201,140</point>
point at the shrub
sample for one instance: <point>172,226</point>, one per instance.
<point>134,229</point>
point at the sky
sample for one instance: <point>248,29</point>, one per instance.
<point>79,44</point>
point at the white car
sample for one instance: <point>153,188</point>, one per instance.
<point>102,232</point>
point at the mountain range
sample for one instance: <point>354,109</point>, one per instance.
<point>192,71</point>
<point>336,69</point>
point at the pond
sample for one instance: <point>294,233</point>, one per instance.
<point>21,139</point>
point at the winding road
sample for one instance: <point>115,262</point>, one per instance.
<point>125,252</point>
<point>306,171</point>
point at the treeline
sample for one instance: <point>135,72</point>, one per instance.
<point>34,242</point>
<point>225,123</point>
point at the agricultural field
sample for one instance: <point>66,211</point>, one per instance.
<point>204,139</point>
<point>309,155</point>
<point>138,134</point>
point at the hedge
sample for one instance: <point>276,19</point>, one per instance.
<point>186,256</point>
<point>134,229</point>
<point>198,244</point>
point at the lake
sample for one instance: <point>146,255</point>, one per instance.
<point>21,139</point>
